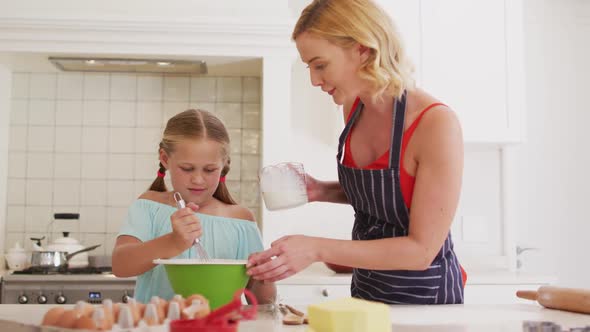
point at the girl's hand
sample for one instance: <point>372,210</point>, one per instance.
<point>286,256</point>
<point>314,188</point>
<point>186,226</point>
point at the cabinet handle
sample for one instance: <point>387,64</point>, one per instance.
<point>325,292</point>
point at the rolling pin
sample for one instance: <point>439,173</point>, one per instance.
<point>568,299</point>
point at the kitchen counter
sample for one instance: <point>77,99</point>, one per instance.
<point>456,318</point>
<point>319,274</point>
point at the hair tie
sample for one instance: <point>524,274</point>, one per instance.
<point>161,175</point>
<point>222,179</point>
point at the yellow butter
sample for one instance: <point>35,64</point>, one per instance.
<point>349,315</point>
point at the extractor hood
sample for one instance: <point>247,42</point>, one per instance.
<point>89,64</point>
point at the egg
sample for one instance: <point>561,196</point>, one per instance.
<point>85,323</point>
<point>180,300</point>
<point>197,309</point>
<point>84,308</point>
<point>100,319</point>
<point>68,318</point>
<point>52,316</point>
<point>151,314</point>
<point>136,310</point>
<point>189,300</point>
<point>108,307</point>
<point>116,310</point>
<point>160,305</point>
<point>125,319</point>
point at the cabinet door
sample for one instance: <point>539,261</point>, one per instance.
<point>406,16</point>
<point>309,294</point>
<point>464,63</point>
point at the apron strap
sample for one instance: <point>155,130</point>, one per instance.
<point>342,140</point>
<point>397,132</point>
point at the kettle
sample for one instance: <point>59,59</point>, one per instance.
<point>16,258</point>
<point>69,245</point>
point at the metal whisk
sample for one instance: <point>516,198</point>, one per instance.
<point>198,247</point>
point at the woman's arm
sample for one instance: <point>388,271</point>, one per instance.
<point>324,191</point>
<point>265,291</point>
<point>435,199</point>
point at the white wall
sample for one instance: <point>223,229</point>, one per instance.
<point>552,165</point>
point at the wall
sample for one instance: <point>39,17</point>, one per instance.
<point>87,143</point>
<point>552,165</point>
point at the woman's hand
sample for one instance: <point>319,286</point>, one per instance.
<point>286,257</point>
<point>314,188</point>
<point>186,226</point>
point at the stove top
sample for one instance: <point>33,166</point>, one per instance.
<point>77,270</point>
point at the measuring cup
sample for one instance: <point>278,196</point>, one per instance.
<point>283,185</point>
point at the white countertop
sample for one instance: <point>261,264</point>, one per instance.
<point>456,318</point>
<point>319,274</point>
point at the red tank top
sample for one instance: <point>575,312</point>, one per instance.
<point>406,180</point>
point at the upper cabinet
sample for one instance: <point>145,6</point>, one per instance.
<point>471,62</point>
<point>469,55</point>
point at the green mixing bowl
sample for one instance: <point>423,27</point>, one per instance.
<point>215,279</point>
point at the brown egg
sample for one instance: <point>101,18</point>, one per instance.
<point>198,309</point>
<point>189,300</point>
<point>68,318</point>
<point>161,305</point>
<point>116,310</point>
<point>151,315</point>
<point>180,300</point>
<point>100,319</point>
<point>136,310</point>
<point>85,323</point>
<point>52,316</point>
<point>84,308</point>
<point>107,306</point>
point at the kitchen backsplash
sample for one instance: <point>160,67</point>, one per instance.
<point>87,143</point>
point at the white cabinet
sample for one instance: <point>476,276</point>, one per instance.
<point>474,294</point>
<point>306,294</point>
<point>469,55</point>
<point>470,62</point>
<point>496,294</point>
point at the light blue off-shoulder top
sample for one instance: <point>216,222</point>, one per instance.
<point>223,238</point>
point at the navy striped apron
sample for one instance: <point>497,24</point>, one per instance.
<point>380,212</point>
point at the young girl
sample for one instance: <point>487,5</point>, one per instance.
<point>195,152</point>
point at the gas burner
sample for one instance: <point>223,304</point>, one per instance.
<point>72,270</point>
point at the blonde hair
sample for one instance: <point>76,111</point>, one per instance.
<point>190,125</point>
<point>346,22</point>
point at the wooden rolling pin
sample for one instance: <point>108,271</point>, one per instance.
<point>568,299</point>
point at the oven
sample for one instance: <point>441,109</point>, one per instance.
<point>67,287</point>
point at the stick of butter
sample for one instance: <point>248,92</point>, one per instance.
<point>349,315</point>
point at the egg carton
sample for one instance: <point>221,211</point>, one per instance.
<point>96,318</point>
<point>142,327</point>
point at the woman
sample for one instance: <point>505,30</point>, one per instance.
<point>400,163</point>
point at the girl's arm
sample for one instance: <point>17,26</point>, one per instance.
<point>132,257</point>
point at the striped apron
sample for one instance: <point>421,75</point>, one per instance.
<point>380,212</point>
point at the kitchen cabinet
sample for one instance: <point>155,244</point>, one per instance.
<point>317,284</point>
<point>471,59</point>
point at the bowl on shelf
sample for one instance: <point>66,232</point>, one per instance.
<point>339,268</point>
<point>215,279</point>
